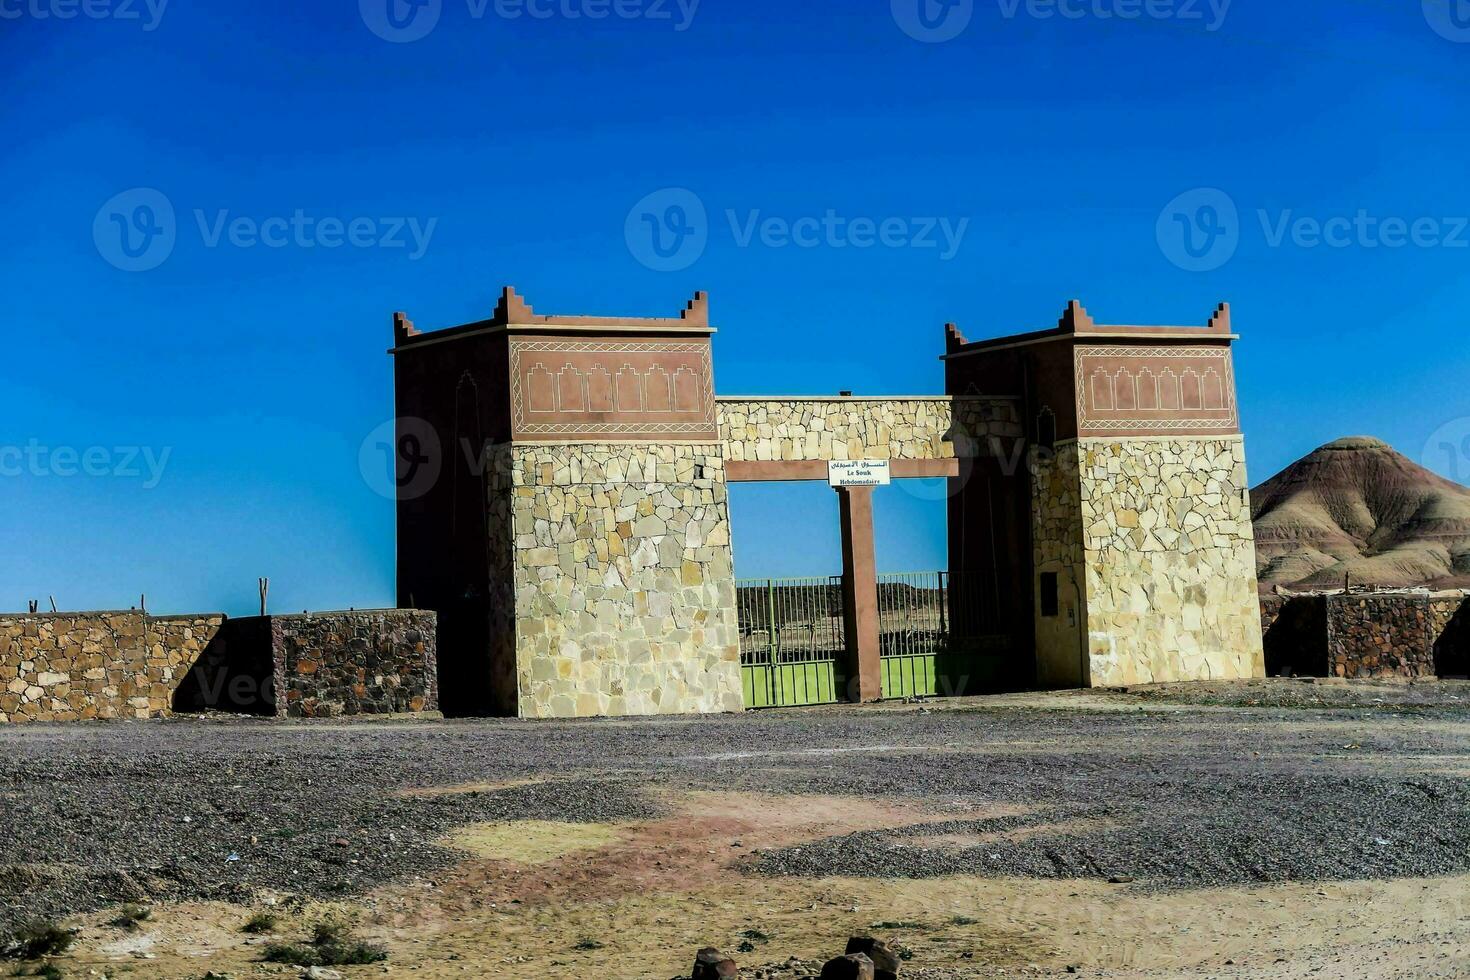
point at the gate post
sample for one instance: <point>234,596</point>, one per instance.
<point>860,595</point>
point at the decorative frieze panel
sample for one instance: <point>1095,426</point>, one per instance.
<point>1151,390</point>
<point>565,390</point>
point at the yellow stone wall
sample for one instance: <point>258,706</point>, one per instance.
<point>799,429</point>
<point>624,581</point>
<point>1057,548</point>
<point>1170,561</point>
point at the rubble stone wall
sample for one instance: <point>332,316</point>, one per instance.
<point>624,581</point>
<point>1382,635</point>
<point>1394,634</point>
<point>75,666</point>
<point>1170,560</point>
<point>352,663</point>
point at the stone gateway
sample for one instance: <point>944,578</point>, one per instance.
<point>563,505</point>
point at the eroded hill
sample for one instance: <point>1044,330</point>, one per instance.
<point>1357,510</point>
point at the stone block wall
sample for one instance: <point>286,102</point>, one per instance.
<point>984,426</point>
<point>1402,634</point>
<point>836,429</point>
<point>1056,543</point>
<point>503,681</point>
<point>318,665</point>
<point>1170,560</point>
<point>624,581</point>
<point>370,662</point>
<point>75,666</point>
<point>1379,635</point>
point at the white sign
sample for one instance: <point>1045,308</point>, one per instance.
<point>858,473</point>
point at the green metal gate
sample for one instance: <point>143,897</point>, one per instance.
<point>791,640</point>
<point>913,631</point>
<point>938,634</point>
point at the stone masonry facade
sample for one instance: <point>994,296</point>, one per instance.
<point>624,585</point>
<point>364,662</point>
<point>802,429</point>
<point>76,666</point>
<point>836,429</point>
<point>1057,551</point>
<point>1152,539</point>
<point>1170,560</point>
<point>500,554</point>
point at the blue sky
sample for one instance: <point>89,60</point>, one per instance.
<point>517,146</point>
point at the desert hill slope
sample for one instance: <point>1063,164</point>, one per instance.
<point>1357,509</point>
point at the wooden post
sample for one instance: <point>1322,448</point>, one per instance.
<point>860,595</point>
<point>265,588</point>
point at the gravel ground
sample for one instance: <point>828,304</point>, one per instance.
<point>1180,828</point>
<point>94,815</point>
<point>1427,696</point>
